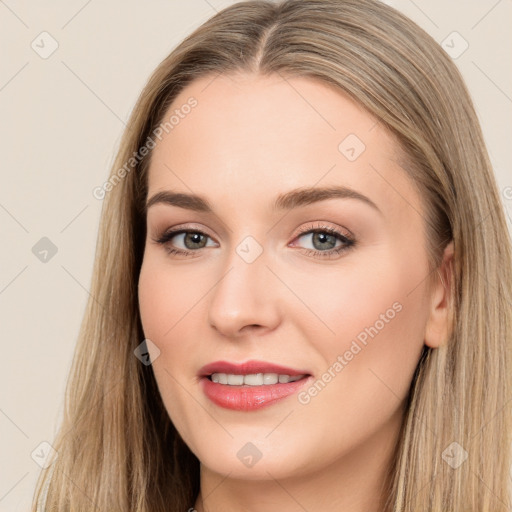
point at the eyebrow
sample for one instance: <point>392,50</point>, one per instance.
<point>290,200</point>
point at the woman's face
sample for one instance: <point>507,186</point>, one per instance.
<point>346,306</point>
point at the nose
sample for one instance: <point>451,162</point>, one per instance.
<point>245,299</point>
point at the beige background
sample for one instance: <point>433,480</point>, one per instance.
<point>62,118</point>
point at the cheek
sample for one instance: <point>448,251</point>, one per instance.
<point>370,358</point>
<point>166,296</point>
<point>372,313</point>
<point>365,289</point>
<point>166,303</point>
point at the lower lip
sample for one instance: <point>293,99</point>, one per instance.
<point>249,398</point>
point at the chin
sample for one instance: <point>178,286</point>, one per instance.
<point>248,461</point>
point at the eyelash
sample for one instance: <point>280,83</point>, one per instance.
<point>348,242</point>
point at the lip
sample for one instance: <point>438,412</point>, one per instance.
<point>249,398</point>
<point>248,368</point>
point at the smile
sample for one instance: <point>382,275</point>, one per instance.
<point>254,379</point>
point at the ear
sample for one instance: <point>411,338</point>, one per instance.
<point>438,327</point>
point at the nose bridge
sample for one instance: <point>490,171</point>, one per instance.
<point>243,295</point>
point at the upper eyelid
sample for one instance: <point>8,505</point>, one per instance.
<point>305,230</point>
<point>341,230</point>
<point>184,227</point>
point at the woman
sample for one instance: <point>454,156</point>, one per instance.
<point>252,371</point>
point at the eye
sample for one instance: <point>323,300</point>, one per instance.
<point>326,237</point>
<point>320,236</point>
<point>192,239</point>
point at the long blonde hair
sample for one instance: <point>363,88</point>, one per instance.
<point>118,450</point>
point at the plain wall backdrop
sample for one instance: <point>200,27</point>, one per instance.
<point>70,74</point>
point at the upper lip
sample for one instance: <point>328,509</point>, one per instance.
<point>248,368</point>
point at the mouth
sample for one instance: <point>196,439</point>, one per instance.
<point>249,368</point>
<point>253,379</point>
<point>250,386</point>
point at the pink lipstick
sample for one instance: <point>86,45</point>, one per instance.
<point>251,385</point>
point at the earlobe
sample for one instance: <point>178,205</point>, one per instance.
<point>438,327</point>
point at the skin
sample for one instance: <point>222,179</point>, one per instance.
<point>249,139</point>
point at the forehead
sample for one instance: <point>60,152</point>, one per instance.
<point>252,136</point>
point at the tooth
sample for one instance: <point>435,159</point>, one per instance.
<point>270,378</point>
<point>255,379</point>
<point>235,380</point>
